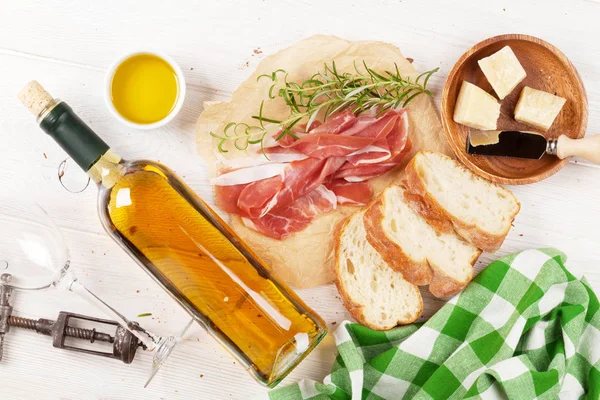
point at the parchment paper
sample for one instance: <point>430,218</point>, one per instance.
<point>306,258</point>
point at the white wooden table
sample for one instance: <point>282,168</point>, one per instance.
<point>68,45</point>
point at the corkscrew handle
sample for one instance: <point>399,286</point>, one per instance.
<point>5,307</point>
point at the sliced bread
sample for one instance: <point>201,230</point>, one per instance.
<point>409,244</point>
<point>375,295</point>
<point>452,197</point>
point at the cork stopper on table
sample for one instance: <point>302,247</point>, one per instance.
<point>35,98</point>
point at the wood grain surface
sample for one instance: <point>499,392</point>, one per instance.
<point>68,46</point>
<point>548,69</point>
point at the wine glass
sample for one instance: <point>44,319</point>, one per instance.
<point>33,253</point>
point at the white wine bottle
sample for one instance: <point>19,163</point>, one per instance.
<point>191,252</point>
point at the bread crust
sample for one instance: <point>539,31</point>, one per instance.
<point>442,285</point>
<point>417,273</point>
<point>356,310</point>
<point>434,213</point>
<point>438,221</point>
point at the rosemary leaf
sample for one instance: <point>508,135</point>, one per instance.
<point>265,119</point>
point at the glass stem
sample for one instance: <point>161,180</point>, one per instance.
<point>147,338</point>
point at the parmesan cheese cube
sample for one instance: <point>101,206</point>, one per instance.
<point>476,108</point>
<point>538,108</point>
<point>503,70</point>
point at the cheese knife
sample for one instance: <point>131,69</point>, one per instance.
<point>532,145</point>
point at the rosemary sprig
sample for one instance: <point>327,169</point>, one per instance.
<point>324,94</point>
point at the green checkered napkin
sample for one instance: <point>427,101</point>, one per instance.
<point>525,328</point>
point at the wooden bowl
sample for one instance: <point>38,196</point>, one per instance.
<point>548,69</point>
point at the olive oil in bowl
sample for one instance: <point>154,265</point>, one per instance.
<point>145,90</point>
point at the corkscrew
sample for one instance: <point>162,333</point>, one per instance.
<point>124,343</point>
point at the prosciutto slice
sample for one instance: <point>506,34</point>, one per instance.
<point>299,179</point>
<point>364,131</point>
<point>351,193</point>
<point>363,172</point>
<point>283,222</point>
<point>330,164</point>
<point>365,165</point>
<point>226,198</point>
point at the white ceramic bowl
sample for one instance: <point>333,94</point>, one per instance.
<point>180,94</point>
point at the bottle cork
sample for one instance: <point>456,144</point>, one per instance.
<point>35,98</point>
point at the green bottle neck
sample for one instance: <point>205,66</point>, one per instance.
<point>80,142</point>
<point>73,135</point>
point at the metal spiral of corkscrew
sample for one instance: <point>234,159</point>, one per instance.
<point>19,322</point>
<point>44,325</point>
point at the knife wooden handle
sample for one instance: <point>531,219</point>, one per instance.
<point>587,147</point>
